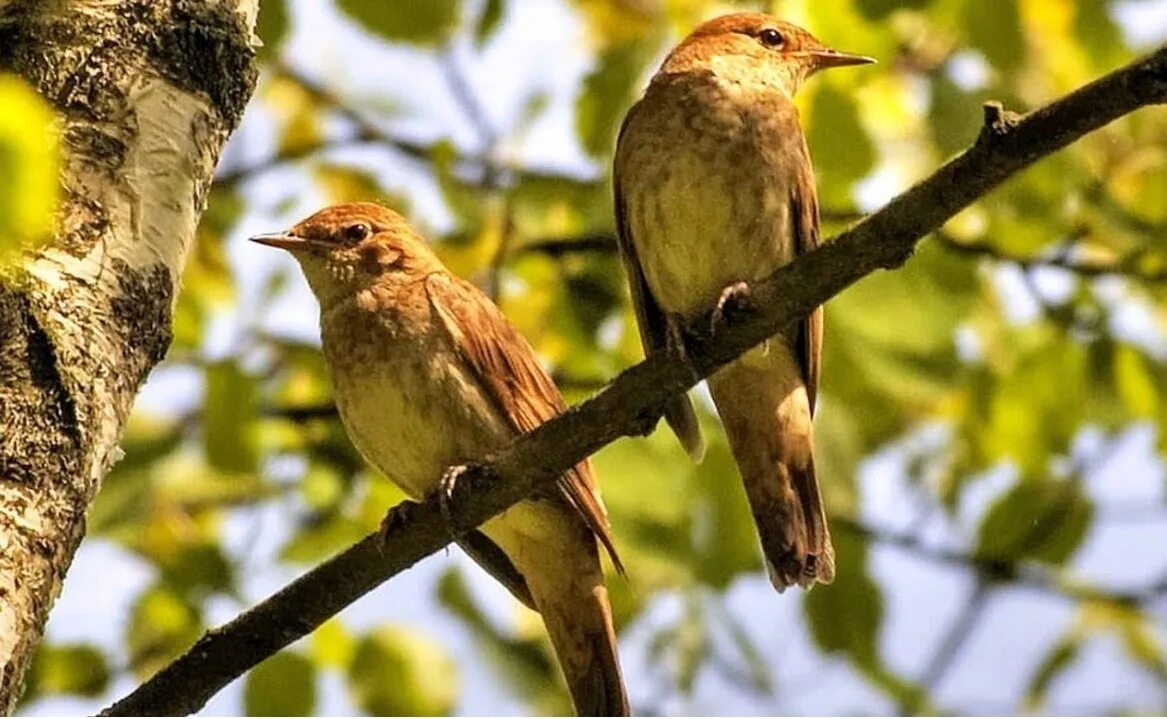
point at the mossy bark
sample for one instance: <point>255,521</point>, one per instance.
<point>147,92</point>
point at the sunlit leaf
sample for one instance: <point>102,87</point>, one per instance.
<point>333,646</point>
<point>28,169</point>
<point>162,625</point>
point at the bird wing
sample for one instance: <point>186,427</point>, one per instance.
<point>651,319</point>
<point>804,214</point>
<point>509,374</point>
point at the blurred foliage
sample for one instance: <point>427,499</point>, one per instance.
<point>982,368</point>
<point>28,169</point>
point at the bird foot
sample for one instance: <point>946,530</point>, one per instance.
<point>397,516</point>
<point>444,489</point>
<point>734,300</point>
<point>675,343</point>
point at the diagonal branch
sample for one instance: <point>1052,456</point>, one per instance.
<point>631,404</point>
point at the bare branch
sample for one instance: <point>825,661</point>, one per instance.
<point>632,403</point>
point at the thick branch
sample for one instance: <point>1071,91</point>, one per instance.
<point>631,403</point>
<point>146,93</point>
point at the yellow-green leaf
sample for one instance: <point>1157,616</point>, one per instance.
<point>28,169</point>
<point>421,22</point>
<point>399,671</point>
<point>283,685</point>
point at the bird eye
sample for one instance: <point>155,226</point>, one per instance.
<point>771,37</point>
<point>357,232</point>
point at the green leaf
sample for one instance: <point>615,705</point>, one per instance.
<point>271,25</point>
<point>323,538</point>
<point>333,646</point>
<point>880,9</point>
<point>1134,380</point>
<point>845,616</point>
<point>162,625</point>
<point>421,22</point>
<point>283,685</point>
<point>28,169</point>
<point>79,669</point>
<point>1141,642</point>
<point>954,115</point>
<point>839,146</point>
<point>399,671</point>
<point>994,28</point>
<point>607,92</point>
<point>1097,33</point>
<point>488,21</point>
<point>1057,660</point>
<point>1036,519</point>
<point>230,410</point>
<point>197,570</point>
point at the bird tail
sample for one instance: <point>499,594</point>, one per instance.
<point>584,639</point>
<point>681,416</point>
<point>764,406</point>
<point>559,559</point>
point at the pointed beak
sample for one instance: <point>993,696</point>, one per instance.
<point>282,240</point>
<point>826,58</point>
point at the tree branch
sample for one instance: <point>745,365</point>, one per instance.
<point>632,403</point>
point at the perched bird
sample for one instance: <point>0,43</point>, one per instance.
<point>714,189</point>
<point>428,374</point>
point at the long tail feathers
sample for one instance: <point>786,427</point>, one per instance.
<point>586,645</point>
<point>764,406</point>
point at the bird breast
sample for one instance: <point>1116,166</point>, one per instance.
<point>407,400</point>
<point>706,177</point>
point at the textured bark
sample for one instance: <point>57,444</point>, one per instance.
<point>147,92</point>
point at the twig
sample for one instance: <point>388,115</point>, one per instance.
<point>632,403</point>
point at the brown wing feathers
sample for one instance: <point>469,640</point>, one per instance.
<point>505,365</point>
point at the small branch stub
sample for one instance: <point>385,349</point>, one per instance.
<point>997,120</point>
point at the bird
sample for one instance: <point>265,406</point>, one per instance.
<point>713,190</point>
<point>428,374</point>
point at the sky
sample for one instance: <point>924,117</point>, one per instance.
<point>541,47</point>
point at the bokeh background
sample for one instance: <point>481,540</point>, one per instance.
<point>991,424</point>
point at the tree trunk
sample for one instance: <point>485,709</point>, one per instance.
<point>147,92</point>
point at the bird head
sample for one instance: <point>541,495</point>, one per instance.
<point>754,48</point>
<point>345,248</point>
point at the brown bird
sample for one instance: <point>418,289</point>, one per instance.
<point>428,374</point>
<point>714,189</point>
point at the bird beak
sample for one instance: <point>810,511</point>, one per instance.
<point>827,57</point>
<point>282,240</point>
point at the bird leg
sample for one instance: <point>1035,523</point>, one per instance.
<point>734,300</point>
<point>675,343</point>
<point>450,478</point>
<point>397,516</point>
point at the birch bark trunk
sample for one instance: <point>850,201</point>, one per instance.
<point>148,92</point>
